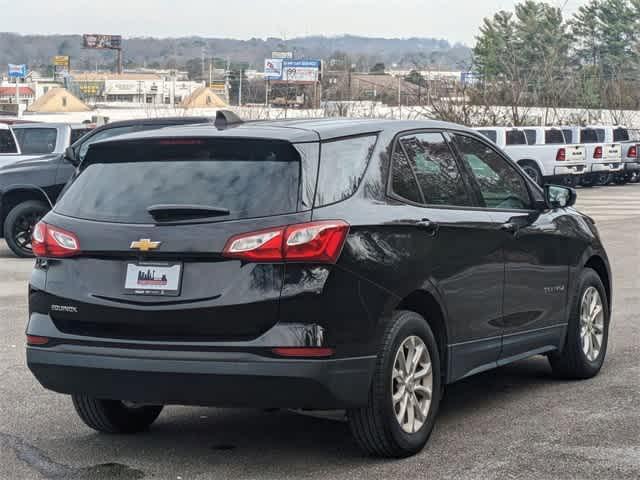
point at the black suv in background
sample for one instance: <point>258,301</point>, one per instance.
<point>29,188</point>
<point>318,264</point>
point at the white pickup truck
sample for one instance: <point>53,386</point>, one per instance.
<point>630,143</point>
<point>541,152</point>
<point>604,159</point>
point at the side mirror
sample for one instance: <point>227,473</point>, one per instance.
<point>557,196</point>
<point>71,157</point>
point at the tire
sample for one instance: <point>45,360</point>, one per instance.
<point>376,427</point>
<point>532,170</point>
<point>621,179</point>
<point>603,179</point>
<point>19,224</point>
<point>570,181</point>
<point>587,181</point>
<point>113,416</point>
<point>573,362</point>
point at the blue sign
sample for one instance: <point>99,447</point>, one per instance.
<point>17,71</point>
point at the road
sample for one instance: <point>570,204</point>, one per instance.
<point>515,422</point>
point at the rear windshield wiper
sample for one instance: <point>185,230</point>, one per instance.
<point>177,212</point>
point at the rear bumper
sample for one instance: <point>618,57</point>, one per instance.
<point>575,169</point>
<point>607,167</point>
<point>225,379</point>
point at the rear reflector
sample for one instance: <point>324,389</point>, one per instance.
<point>309,242</point>
<point>597,153</point>
<point>36,340</point>
<point>632,152</point>
<point>313,352</point>
<point>53,242</point>
<point>561,156</point>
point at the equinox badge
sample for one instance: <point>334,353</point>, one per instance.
<point>144,245</point>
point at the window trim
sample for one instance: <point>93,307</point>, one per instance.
<point>474,182</point>
<point>390,193</point>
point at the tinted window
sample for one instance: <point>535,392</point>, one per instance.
<point>342,165</point>
<point>568,135</point>
<point>600,134</point>
<point>7,144</point>
<point>435,169</point>
<point>531,136</point>
<point>490,134</point>
<point>36,140</point>
<point>620,135</point>
<point>78,133</point>
<point>107,133</point>
<point>251,178</point>
<point>500,185</point>
<point>554,137</point>
<point>404,182</point>
<point>588,135</point>
<point>516,137</point>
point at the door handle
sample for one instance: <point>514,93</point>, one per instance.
<point>509,227</point>
<point>428,226</point>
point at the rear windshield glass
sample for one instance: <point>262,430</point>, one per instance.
<point>531,136</point>
<point>7,145</point>
<point>554,137</point>
<point>490,134</point>
<point>620,135</point>
<point>600,134</point>
<point>249,178</point>
<point>35,141</point>
<point>588,135</point>
<point>568,135</point>
<point>516,137</point>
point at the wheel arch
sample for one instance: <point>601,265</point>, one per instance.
<point>18,194</point>
<point>537,163</point>
<point>597,263</point>
<point>430,308</point>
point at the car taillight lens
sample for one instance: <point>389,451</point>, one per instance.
<point>312,242</point>
<point>314,352</point>
<point>597,153</point>
<point>53,242</point>
<point>37,340</point>
<point>561,156</point>
<point>633,152</point>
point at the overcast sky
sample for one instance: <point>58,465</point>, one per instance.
<point>454,20</point>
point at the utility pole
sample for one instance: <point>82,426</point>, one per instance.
<point>240,90</point>
<point>400,97</point>
<point>18,97</point>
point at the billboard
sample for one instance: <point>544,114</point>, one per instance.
<point>300,71</point>
<point>282,55</point>
<point>17,71</point>
<point>98,41</point>
<point>273,69</point>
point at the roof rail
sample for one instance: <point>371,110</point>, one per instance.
<point>225,118</point>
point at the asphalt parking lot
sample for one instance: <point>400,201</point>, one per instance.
<point>515,422</point>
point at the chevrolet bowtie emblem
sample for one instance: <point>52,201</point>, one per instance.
<point>145,244</point>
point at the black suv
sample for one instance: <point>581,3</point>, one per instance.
<point>29,188</point>
<point>318,264</point>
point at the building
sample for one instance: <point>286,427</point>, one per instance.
<point>8,94</point>
<point>58,100</point>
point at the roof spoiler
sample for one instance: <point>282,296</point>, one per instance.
<point>226,118</point>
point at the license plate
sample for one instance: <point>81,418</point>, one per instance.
<point>153,279</point>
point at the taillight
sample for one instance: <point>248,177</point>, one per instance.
<point>315,352</point>
<point>53,242</point>
<point>37,340</point>
<point>597,153</point>
<point>633,151</point>
<point>561,156</point>
<point>311,242</point>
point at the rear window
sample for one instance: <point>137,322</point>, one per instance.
<point>342,165</point>
<point>7,144</point>
<point>568,135</point>
<point>531,136</point>
<point>250,178</point>
<point>600,134</point>
<point>490,134</point>
<point>588,135</point>
<point>516,137</point>
<point>554,137</point>
<point>35,141</point>
<point>620,135</point>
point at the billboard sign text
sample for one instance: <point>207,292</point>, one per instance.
<point>99,41</point>
<point>17,71</point>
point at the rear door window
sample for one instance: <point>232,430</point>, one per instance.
<point>516,137</point>
<point>249,178</point>
<point>620,135</point>
<point>434,168</point>
<point>342,166</point>
<point>7,144</point>
<point>34,141</point>
<point>588,135</point>
<point>568,135</point>
<point>554,137</point>
<point>490,134</point>
<point>531,136</point>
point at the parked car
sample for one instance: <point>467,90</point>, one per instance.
<point>541,158</point>
<point>29,188</point>
<point>630,143</point>
<point>604,159</point>
<point>37,139</point>
<point>309,264</point>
